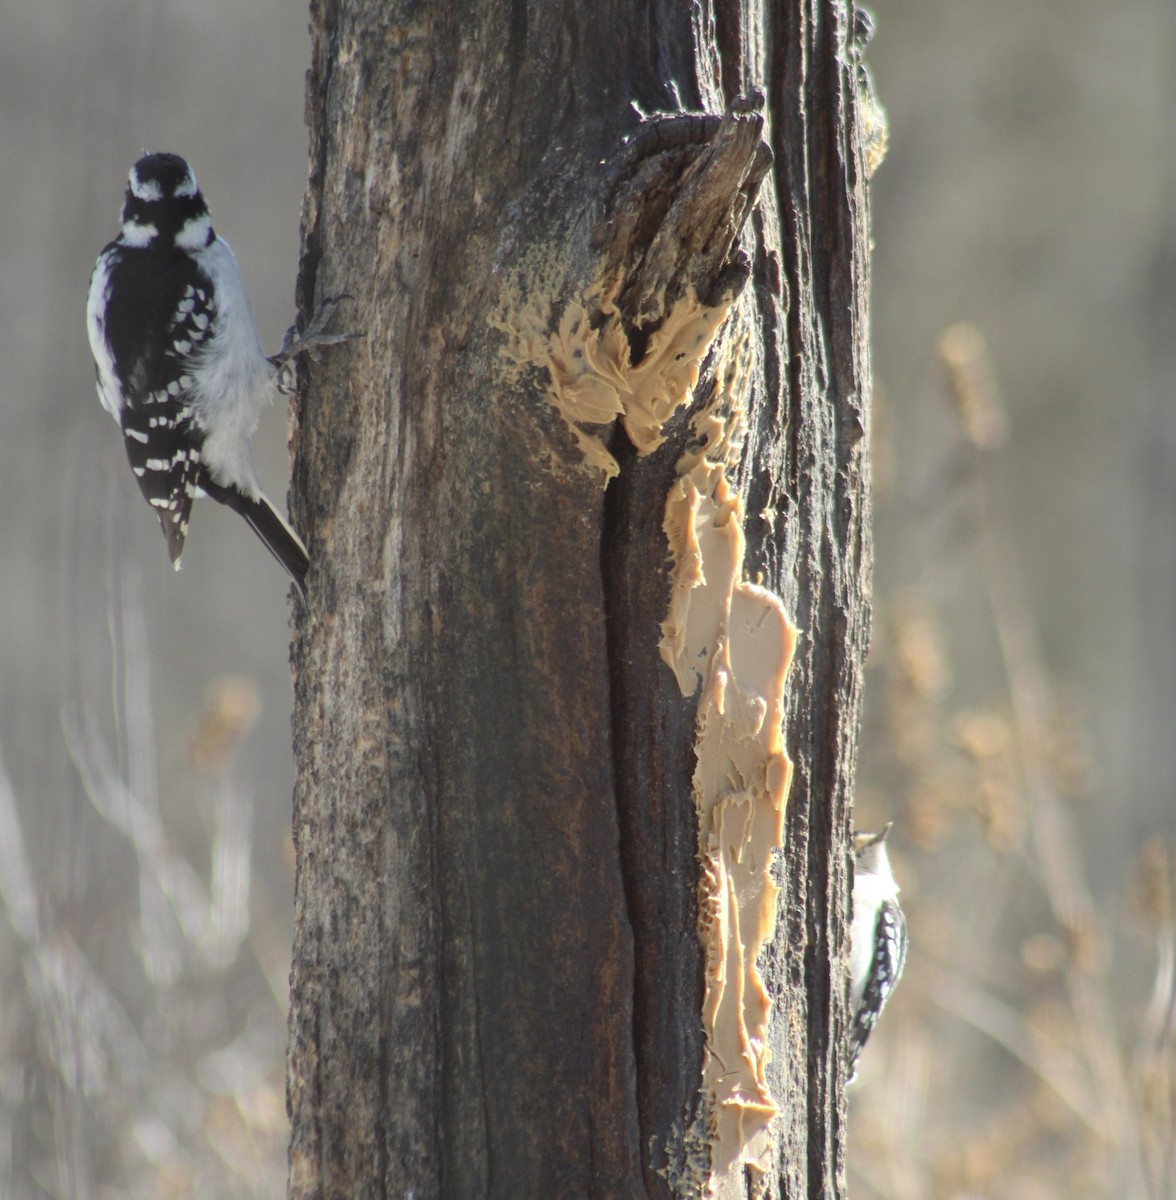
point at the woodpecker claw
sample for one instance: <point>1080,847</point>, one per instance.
<point>314,336</point>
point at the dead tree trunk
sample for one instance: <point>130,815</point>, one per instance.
<point>562,929</point>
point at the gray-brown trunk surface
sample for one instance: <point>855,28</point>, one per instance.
<point>497,973</point>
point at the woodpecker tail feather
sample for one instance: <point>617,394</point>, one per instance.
<point>265,520</point>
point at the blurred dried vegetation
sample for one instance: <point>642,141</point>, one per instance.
<point>141,1033</point>
<point>1019,1058</point>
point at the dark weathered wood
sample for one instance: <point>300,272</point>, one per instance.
<point>818,548</point>
<point>497,976</point>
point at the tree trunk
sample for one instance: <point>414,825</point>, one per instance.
<point>603,436</point>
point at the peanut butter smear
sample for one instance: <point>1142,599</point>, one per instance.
<point>725,638</point>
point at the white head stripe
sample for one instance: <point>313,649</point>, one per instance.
<point>188,186</point>
<point>144,189</point>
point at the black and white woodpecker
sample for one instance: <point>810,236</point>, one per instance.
<point>180,362</point>
<point>877,939</point>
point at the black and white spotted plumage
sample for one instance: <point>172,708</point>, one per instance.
<point>180,363</point>
<point>877,936</point>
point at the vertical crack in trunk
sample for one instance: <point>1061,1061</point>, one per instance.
<point>634,783</point>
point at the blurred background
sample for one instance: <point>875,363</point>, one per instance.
<point>1019,690</point>
<point>145,859</point>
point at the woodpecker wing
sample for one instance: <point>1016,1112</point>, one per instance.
<point>158,313</point>
<point>890,950</point>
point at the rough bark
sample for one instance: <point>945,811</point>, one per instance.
<point>497,973</point>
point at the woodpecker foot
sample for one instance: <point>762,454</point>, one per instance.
<point>314,336</point>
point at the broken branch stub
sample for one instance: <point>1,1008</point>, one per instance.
<point>677,209</point>
<point>631,342</point>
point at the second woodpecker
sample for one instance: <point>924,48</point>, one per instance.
<point>877,938</point>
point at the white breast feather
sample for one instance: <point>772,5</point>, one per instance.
<point>868,893</point>
<point>232,378</point>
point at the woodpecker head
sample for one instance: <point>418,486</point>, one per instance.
<point>164,207</point>
<point>869,850</point>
